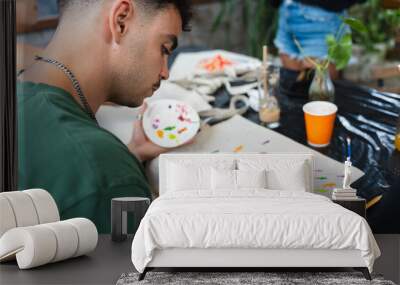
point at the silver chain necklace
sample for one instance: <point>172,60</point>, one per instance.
<point>74,81</point>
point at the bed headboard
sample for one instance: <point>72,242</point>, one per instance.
<point>211,158</point>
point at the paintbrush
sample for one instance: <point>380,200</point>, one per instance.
<point>265,70</point>
<point>348,148</point>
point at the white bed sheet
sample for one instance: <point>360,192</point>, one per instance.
<point>252,218</point>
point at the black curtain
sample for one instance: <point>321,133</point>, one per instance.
<point>8,145</point>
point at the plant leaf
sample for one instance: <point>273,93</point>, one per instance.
<point>218,19</point>
<point>331,43</point>
<point>355,24</point>
<point>340,52</point>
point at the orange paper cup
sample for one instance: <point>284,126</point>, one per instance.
<point>320,119</point>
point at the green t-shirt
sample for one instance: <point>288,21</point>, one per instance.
<point>62,150</point>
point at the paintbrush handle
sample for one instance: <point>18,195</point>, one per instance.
<point>265,70</point>
<point>348,148</point>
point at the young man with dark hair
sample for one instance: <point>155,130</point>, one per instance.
<point>102,50</point>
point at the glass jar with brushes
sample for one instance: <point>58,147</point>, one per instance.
<point>269,110</point>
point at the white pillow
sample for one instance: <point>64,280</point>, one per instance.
<point>193,174</point>
<point>288,176</point>
<point>223,179</point>
<point>227,179</point>
<point>251,178</point>
<point>282,174</point>
<point>181,177</point>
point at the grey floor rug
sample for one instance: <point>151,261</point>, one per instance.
<point>244,278</point>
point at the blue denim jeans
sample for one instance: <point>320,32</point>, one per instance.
<point>309,25</point>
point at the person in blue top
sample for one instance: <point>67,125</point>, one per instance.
<point>309,22</point>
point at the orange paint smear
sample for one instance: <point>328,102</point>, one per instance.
<point>327,185</point>
<point>182,130</point>
<point>238,148</point>
<point>216,63</point>
<point>160,134</point>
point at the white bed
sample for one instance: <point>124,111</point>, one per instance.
<point>203,220</point>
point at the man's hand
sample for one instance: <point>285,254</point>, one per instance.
<point>140,145</point>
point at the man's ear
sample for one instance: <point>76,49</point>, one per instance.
<point>121,12</point>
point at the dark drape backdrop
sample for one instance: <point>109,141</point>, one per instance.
<point>8,146</point>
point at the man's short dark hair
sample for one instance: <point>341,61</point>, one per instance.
<point>183,6</point>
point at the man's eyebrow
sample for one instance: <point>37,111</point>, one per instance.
<point>174,41</point>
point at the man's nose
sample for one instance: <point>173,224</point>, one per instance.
<point>165,71</point>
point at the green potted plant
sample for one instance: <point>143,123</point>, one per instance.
<point>339,53</point>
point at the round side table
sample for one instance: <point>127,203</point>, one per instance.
<point>119,209</point>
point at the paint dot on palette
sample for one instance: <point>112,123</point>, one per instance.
<point>238,148</point>
<point>182,130</point>
<point>172,136</point>
<point>329,185</point>
<point>155,123</point>
<point>181,108</point>
<point>169,128</point>
<point>160,134</point>
<point>183,119</point>
<point>321,178</point>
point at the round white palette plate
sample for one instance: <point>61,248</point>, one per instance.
<point>170,123</point>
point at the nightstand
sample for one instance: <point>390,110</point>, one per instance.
<point>119,208</point>
<point>358,205</point>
